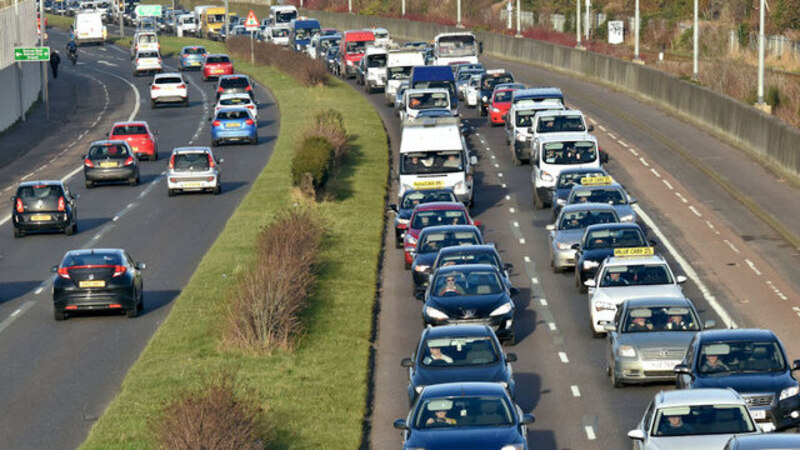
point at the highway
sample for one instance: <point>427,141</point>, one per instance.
<point>58,377</point>
<point>729,254</point>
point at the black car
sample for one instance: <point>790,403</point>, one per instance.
<point>110,161</point>
<point>430,241</point>
<point>44,206</point>
<point>472,254</point>
<point>753,363</point>
<point>489,80</point>
<point>97,280</point>
<point>471,294</point>
<point>458,353</point>
<point>410,199</point>
<point>764,441</point>
<point>598,243</point>
<point>332,57</point>
<point>568,178</point>
<point>235,84</point>
<point>465,416</point>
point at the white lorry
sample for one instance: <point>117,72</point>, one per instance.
<point>456,48</point>
<point>398,69</point>
<point>89,28</point>
<point>185,24</point>
<point>282,14</point>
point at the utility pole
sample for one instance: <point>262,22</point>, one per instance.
<point>225,23</point>
<point>17,43</point>
<point>404,7</point>
<point>588,22</point>
<point>636,27</point>
<point>578,25</point>
<point>350,6</point>
<point>695,56</point>
<point>510,11</point>
<point>761,14</point>
<point>519,19</point>
<point>120,8</point>
<point>458,8</point>
<point>42,31</point>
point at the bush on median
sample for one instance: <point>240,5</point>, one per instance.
<point>329,124</point>
<point>314,156</point>
<point>306,71</point>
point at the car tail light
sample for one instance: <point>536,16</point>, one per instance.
<point>172,162</point>
<point>159,60</point>
<point>155,86</point>
<point>249,121</point>
<point>210,178</point>
<point>63,272</point>
<point>62,205</point>
<point>158,46</point>
<point>119,270</point>
<point>129,161</point>
<point>216,123</point>
<point>173,180</point>
<point>248,88</point>
<point>137,60</point>
<point>211,162</point>
<point>181,86</point>
<point>88,162</point>
<point>251,106</point>
<point>20,206</point>
<point>71,307</point>
<point>115,306</point>
<point>219,89</point>
<point>185,55</point>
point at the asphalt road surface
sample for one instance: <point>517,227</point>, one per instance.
<point>58,377</point>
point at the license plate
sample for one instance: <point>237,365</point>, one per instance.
<point>195,63</point>
<point>219,71</point>
<point>192,184</point>
<point>91,283</point>
<point>233,125</point>
<point>40,217</point>
<point>108,164</point>
<point>660,365</point>
<point>136,149</point>
<point>758,414</point>
<point>428,184</point>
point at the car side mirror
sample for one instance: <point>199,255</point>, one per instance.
<point>636,435</point>
<point>796,365</point>
<point>591,128</point>
<point>407,362</point>
<point>84,157</point>
<point>400,424</point>
<point>576,246</point>
<point>513,291</point>
<point>392,207</point>
<point>683,369</point>
<point>419,295</point>
<point>633,200</point>
<point>477,223</point>
<point>107,134</point>
<point>473,160</point>
<point>54,269</point>
<point>709,324</point>
<point>528,419</point>
<point>511,357</point>
<point>508,266</point>
<point>221,160</point>
<point>680,279</point>
<point>652,242</point>
<point>210,118</point>
<point>141,266</point>
<point>610,327</point>
<point>550,227</point>
<point>590,283</point>
<point>603,157</point>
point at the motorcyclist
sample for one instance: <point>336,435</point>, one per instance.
<point>72,50</point>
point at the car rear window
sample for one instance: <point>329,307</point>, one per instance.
<point>194,50</point>
<point>148,55</point>
<point>235,101</point>
<point>233,115</point>
<point>39,191</point>
<point>148,39</point>
<point>168,80</point>
<point>108,151</point>
<point>124,130</point>
<point>192,161</point>
<point>217,59</point>
<point>237,82</point>
<point>92,259</point>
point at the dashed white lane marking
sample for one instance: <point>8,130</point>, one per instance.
<point>655,172</point>
<point>522,241</point>
<point>713,228</point>
<point>753,267</point>
<point>644,162</point>
<point>695,211</point>
<point>535,280</point>
<point>500,174</point>
<point>512,210</point>
<point>563,356</point>
<point>575,391</point>
<point>633,152</point>
<point>593,121</point>
<point>516,224</point>
<point>602,128</point>
<point>552,326</point>
<point>493,157</point>
<point>733,247</point>
<point>503,185</point>
<point>590,432</point>
<point>106,63</point>
<point>18,313</point>
<point>38,291</point>
<point>508,197</point>
<point>543,302</point>
<point>496,166</point>
<point>777,291</point>
<point>689,270</point>
<point>527,258</point>
<point>623,144</point>
<point>683,199</point>
<point>796,310</point>
<point>612,136</point>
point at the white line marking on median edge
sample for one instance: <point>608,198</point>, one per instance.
<point>655,172</point>
<point>543,301</point>
<point>753,266</point>
<point>590,433</point>
<point>695,211</point>
<point>25,306</point>
<point>535,280</point>
<point>563,356</point>
<point>602,128</point>
<point>527,258</point>
<point>645,163</point>
<point>612,136</point>
<point>683,199</point>
<point>733,247</point>
<point>623,144</point>
<point>552,326</point>
<point>575,391</point>
<point>522,241</point>
<point>512,210</point>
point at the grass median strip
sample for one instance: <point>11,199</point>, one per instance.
<point>315,395</point>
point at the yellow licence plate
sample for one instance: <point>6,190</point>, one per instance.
<point>192,185</point>
<point>219,70</point>
<point>136,149</point>
<point>428,184</point>
<point>40,217</point>
<point>233,125</point>
<point>108,164</point>
<point>91,283</point>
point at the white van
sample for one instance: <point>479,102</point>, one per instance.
<point>520,128</point>
<point>282,14</point>
<point>89,28</point>
<point>434,154</point>
<point>551,122</point>
<point>398,69</point>
<point>557,152</point>
<point>185,25</point>
<point>374,65</point>
<point>145,41</point>
<point>416,100</point>
<point>278,35</point>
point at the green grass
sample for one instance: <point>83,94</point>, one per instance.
<point>58,21</point>
<point>314,396</point>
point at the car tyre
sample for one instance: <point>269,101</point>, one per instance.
<point>186,103</point>
<point>615,382</point>
<point>408,266</point>
<point>511,340</point>
<point>398,243</point>
<point>170,192</point>
<point>152,104</point>
<point>70,230</point>
<point>537,202</point>
<point>254,140</point>
<point>132,313</point>
<point>59,315</point>
<point>214,143</point>
<point>514,158</point>
<point>18,233</point>
<point>218,189</point>
<point>134,181</point>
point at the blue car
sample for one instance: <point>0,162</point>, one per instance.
<point>466,416</point>
<point>234,125</point>
<point>192,57</point>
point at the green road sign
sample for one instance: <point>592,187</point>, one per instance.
<point>148,11</point>
<point>32,54</point>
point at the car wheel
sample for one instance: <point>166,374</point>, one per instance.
<point>483,112</point>
<point>537,203</point>
<point>134,181</point>
<point>214,143</point>
<point>152,104</point>
<point>408,266</point>
<point>514,158</point>
<point>398,244</point>
<point>70,230</point>
<point>595,334</point>
<point>218,189</point>
<point>59,315</point>
<point>170,192</point>
<point>614,380</point>
<point>140,305</point>
<point>18,233</point>
<point>132,313</point>
<point>154,156</point>
<point>553,266</point>
<point>254,140</point>
<point>510,340</point>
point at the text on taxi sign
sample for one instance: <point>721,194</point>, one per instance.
<point>596,181</point>
<point>633,251</point>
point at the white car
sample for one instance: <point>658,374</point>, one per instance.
<point>147,61</point>
<point>193,169</point>
<point>169,88</point>
<point>472,91</point>
<point>236,101</point>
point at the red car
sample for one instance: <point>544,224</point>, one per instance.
<point>500,104</point>
<point>432,214</point>
<point>216,65</point>
<point>139,136</point>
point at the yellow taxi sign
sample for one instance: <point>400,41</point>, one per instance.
<point>596,181</point>
<point>633,251</point>
<point>431,184</point>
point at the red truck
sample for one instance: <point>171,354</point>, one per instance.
<point>353,45</point>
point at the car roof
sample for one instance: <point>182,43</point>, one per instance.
<point>533,91</point>
<point>764,441</point>
<point>481,248</point>
<point>614,226</point>
<point>109,141</point>
<point>560,112</point>
<point>658,301</point>
<point>444,189</point>
<point>458,331</point>
<point>627,260</point>
<point>595,187</point>
<point>217,54</point>
<point>691,397</point>
<point>234,108</point>
<point>89,251</point>
<point>463,389</point>
<point>582,170</point>
<point>588,206</point>
<point>570,136</point>
<point>40,182</point>
<point>465,268</point>
<point>436,228</point>
<point>737,334</point>
<point>197,149</point>
<point>443,206</point>
<point>236,75</point>
<point>235,95</point>
<point>134,122</point>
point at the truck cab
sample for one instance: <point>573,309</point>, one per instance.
<point>427,77</point>
<point>353,46</point>
<point>456,48</point>
<point>372,71</point>
<point>551,122</point>
<point>282,14</point>
<point>416,100</point>
<point>398,69</point>
<point>301,31</point>
<point>278,34</point>
<point>552,154</point>
<point>211,22</point>
<point>520,127</point>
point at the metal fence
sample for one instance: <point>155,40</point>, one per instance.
<point>774,46</point>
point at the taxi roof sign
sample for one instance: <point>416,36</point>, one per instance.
<point>251,21</point>
<point>633,252</point>
<point>597,181</point>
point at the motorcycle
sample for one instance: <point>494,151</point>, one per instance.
<point>73,56</point>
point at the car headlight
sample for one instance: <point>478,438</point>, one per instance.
<point>434,313</point>
<point>561,201</point>
<point>627,218</point>
<point>485,98</point>
<point>789,392</point>
<point>563,246</point>
<point>419,389</point>
<point>626,351</point>
<point>605,306</point>
<point>521,137</point>
<point>402,221</point>
<point>513,447</point>
<point>349,63</point>
<point>502,310</point>
<point>495,110</point>
<point>411,240</point>
<point>459,186</point>
<point>545,176</point>
<point>422,268</point>
<point>590,264</point>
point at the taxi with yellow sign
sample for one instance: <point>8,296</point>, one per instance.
<point>90,280</point>
<point>604,240</point>
<point>603,189</point>
<point>630,273</point>
<point>569,178</point>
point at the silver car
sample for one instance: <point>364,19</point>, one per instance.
<point>193,169</point>
<point>649,337</point>
<point>613,194</point>
<point>622,278</point>
<point>147,61</point>
<point>566,233</point>
<point>693,419</point>
<point>472,91</point>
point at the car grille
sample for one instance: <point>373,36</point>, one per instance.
<point>659,373</point>
<point>663,353</point>
<point>757,400</point>
<point>180,179</point>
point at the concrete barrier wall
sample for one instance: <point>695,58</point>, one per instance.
<point>29,77</point>
<point>759,133</point>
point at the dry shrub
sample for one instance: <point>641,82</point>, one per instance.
<point>212,417</point>
<point>264,312</point>
<point>314,156</point>
<point>306,71</point>
<point>329,124</point>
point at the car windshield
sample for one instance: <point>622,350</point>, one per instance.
<point>435,85</point>
<point>556,124</point>
<point>168,80</point>
<point>328,43</point>
<point>400,72</point>
<point>503,96</point>
<point>194,50</point>
<point>457,46</point>
<point>473,282</point>
<point>356,46</point>
<point>467,257</point>
<point>433,242</point>
<point>464,412</point>
<point>569,179</point>
<point>524,118</point>
<point>569,152</point>
<point>280,32</point>
<point>424,219</point>
<point>197,162</point>
<point>465,75</point>
<point>232,114</point>
<point>233,82</point>
<point>575,220</point>
<point>660,318</point>
<point>376,61</point>
<point>702,420</point>
<point>459,351</point>
<point>39,192</point>
<point>741,357</point>
<point>148,39</point>
<point>603,239</point>
<point>490,81</point>
<point>425,100</point>
<point>217,59</point>
<point>636,275</point>
<point>125,130</point>
<point>305,33</point>
<point>431,162</point>
<point>611,196</point>
<point>234,101</point>
<point>414,198</point>
<point>113,151</point>
<point>91,259</point>
<point>285,17</point>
